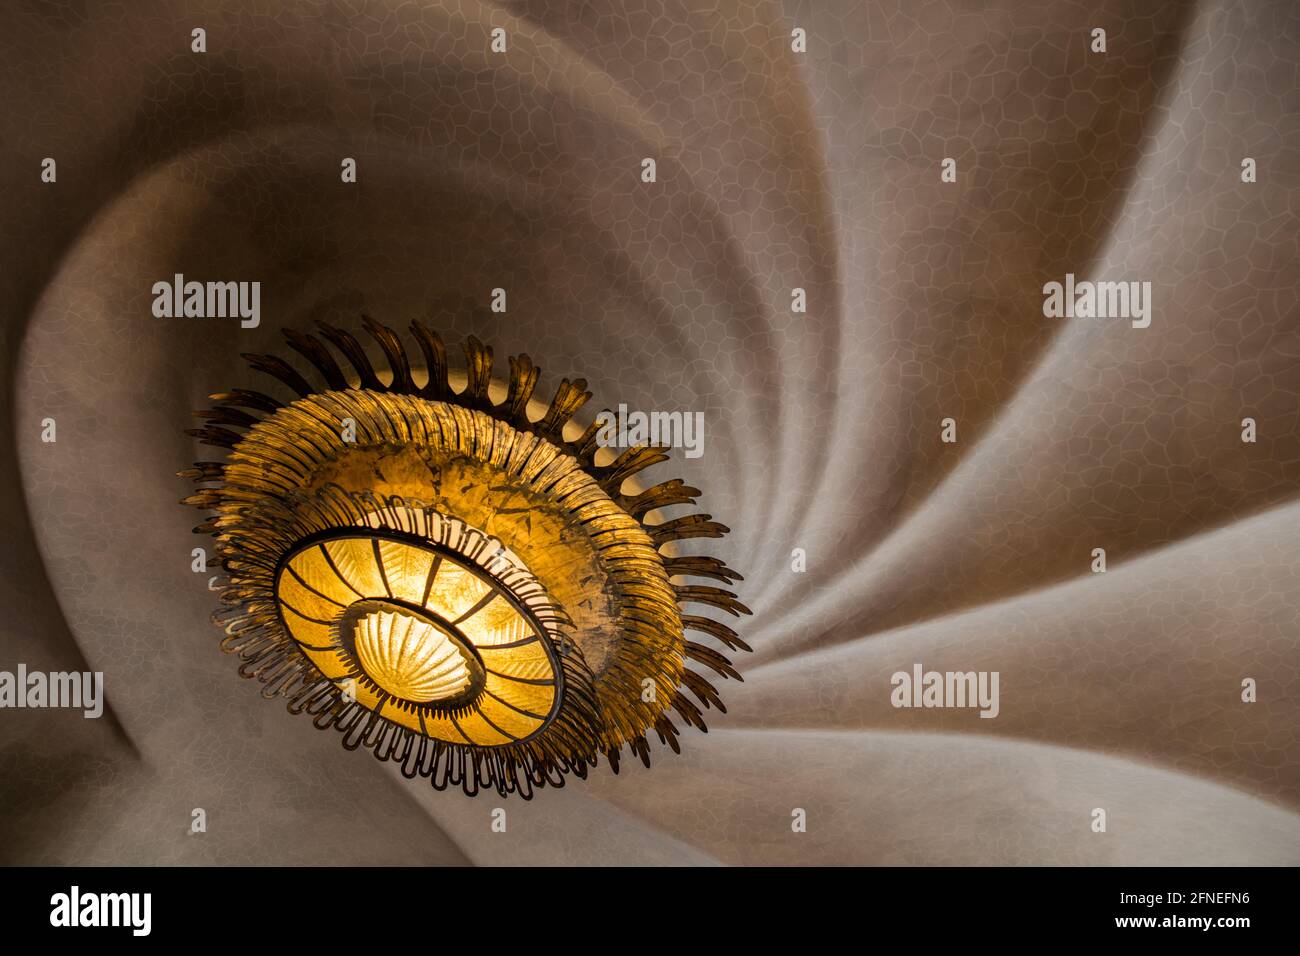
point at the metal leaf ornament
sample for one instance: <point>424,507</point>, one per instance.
<point>441,571</point>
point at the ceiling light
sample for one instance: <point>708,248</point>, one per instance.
<point>441,571</point>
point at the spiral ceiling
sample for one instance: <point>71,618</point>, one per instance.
<point>868,544</point>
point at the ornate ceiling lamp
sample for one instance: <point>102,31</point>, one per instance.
<point>445,574</point>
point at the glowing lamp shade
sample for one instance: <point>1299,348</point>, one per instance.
<point>410,657</point>
<point>419,638</point>
<point>446,576</point>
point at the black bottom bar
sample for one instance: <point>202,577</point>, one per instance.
<point>389,906</point>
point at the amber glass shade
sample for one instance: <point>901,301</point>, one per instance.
<point>447,576</point>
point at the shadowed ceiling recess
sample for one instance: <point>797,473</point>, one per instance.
<point>443,576</point>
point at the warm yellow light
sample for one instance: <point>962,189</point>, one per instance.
<point>410,657</point>
<point>405,611</point>
<point>494,521</point>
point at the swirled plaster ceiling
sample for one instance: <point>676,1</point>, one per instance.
<point>776,171</point>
